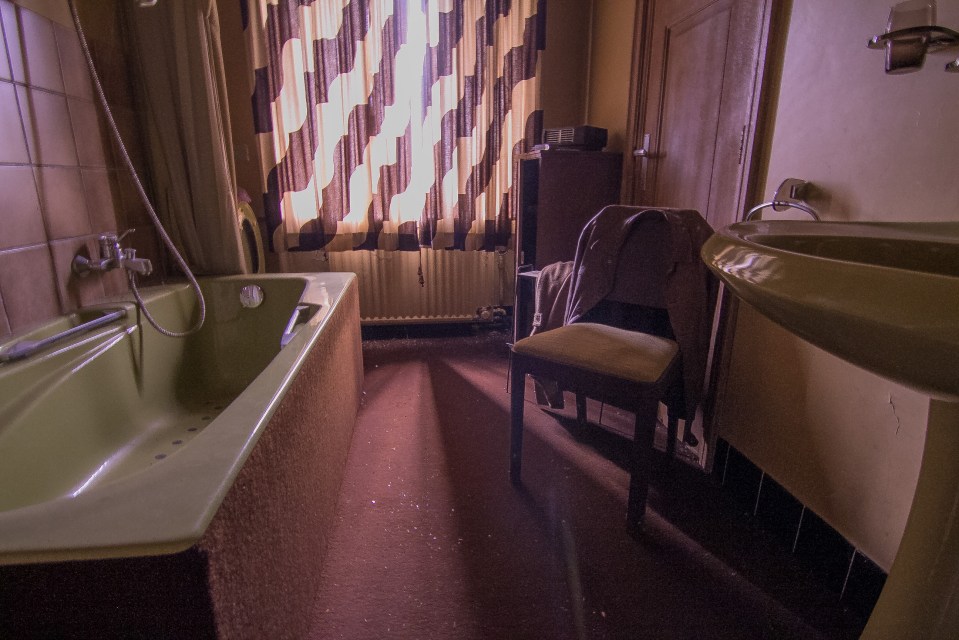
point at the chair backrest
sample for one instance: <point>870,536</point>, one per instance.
<point>637,300</point>
<point>643,265</point>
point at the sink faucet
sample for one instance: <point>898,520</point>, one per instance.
<point>112,256</point>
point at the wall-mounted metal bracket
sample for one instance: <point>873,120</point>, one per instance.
<point>911,34</point>
<point>789,191</point>
<point>934,38</point>
<point>790,195</point>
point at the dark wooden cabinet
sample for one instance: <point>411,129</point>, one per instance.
<point>559,192</point>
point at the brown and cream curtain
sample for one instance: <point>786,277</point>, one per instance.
<point>392,124</point>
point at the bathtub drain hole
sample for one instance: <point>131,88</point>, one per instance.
<point>178,442</point>
<point>206,418</point>
<point>191,429</point>
<point>160,456</point>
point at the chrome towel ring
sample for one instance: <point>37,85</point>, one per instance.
<point>789,195</point>
<point>779,205</point>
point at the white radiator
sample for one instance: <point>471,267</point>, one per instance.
<point>456,284</point>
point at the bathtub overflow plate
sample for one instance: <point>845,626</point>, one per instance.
<point>251,296</point>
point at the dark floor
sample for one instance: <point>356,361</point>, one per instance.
<point>432,541</point>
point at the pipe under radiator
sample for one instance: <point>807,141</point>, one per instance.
<point>457,285</point>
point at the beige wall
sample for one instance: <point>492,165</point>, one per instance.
<point>564,69</point>
<point>586,65</point>
<point>59,178</point>
<point>879,148</point>
<point>610,59</point>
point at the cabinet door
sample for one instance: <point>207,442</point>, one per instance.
<point>573,187</point>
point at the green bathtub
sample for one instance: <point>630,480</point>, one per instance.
<point>122,442</point>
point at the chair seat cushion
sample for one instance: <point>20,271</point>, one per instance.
<point>630,355</point>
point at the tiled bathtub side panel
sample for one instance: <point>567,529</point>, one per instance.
<point>267,543</point>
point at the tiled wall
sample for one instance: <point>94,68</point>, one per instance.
<point>60,185</point>
<point>832,559</point>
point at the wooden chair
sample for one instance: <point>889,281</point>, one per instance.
<point>632,366</point>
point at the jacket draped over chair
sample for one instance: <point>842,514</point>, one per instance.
<point>690,287</point>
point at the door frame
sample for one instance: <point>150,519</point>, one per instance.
<point>763,90</point>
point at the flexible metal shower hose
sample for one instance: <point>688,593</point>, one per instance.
<point>131,275</point>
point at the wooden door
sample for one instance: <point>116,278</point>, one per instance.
<point>698,67</point>
<point>698,72</point>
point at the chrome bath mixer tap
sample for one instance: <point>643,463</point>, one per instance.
<point>112,256</point>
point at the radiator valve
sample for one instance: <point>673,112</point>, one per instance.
<point>490,314</point>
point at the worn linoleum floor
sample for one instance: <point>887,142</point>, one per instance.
<point>432,540</point>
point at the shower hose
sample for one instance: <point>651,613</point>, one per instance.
<point>131,275</point>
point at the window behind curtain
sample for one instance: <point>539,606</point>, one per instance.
<point>393,124</point>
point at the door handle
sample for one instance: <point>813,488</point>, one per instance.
<point>643,152</point>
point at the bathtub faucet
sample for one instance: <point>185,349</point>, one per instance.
<point>112,256</point>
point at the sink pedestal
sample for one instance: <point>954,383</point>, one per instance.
<point>921,595</point>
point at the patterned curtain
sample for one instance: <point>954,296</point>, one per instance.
<point>393,124</point>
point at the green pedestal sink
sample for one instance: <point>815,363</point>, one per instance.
<point>885,297</point>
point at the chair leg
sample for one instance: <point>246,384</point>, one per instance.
<point>581,408</point>
<point>672,431</point>
<point>689,438</point>
<point>640,462</point>
<point>517,399</point>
